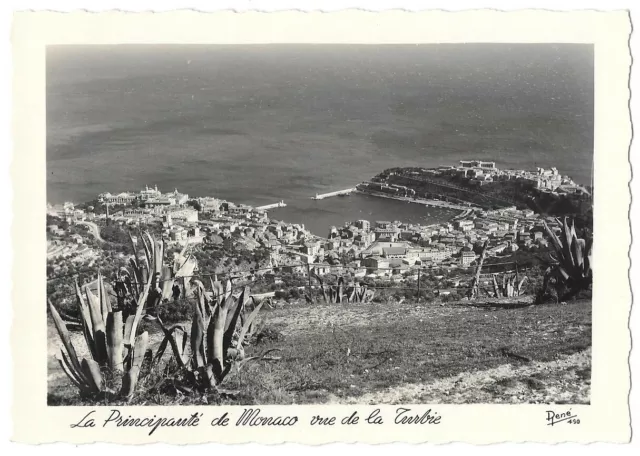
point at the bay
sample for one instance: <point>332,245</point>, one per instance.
<point>263,123</point>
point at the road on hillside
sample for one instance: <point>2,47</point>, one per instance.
<point>93,228</point>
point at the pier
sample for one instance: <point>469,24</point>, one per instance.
<point>346,191</point>
<point>425,202</point>
<point>271,206</point>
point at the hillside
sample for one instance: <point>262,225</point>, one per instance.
<point>428,353</point>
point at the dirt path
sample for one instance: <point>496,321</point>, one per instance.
<point>566,380</point>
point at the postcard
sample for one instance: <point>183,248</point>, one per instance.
<point>321,227</point>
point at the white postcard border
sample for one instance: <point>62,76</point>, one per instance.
<point>606,419</point>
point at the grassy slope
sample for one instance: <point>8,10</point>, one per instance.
<point>333,353</point>
<point>394,353</point>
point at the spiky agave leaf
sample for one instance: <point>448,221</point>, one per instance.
<point>496,289</point>
<point>578,248</point>
<point>569,236</point>
<point>363,293</point>
<point>91,371</point>
<point>177,348</point>
<point>587,258</point>
<point>340,289</point>
<point>509,289</point>
<point>218,291</point>
<point>353,292</point>
<point>99,327</point>
<point>236,354</point>
<point>134,244</point>
<point>130,379</point>
<point>103,297</point>
<point>227,291</point>
<point>63,332</point>
<point>248,322</point>
<point>186,287</point>
<point>132,325</point>
<point>199,324</point>
<point>563,273</point>
<point>73,375</point>
<point>137,265</point>
<point>315,275</point>
<point>87,326</point>
<point>115,343</point>
<point>520,284</point>
<point>215,334</point>
<point>230,326</point>
<point>138,274</point>
<point>167,283</point>
<point>148,245</point>
<point>557,245</point>
<point>158,257</point>
<point>95,310</point>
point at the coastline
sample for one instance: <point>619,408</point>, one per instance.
<point>275,214</point>
<point>432,203</point>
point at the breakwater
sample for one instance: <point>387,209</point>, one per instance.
<point>425,202</point>
<point>271,206</point>
<point>346,191</point>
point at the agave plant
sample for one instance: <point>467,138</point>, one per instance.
<point>511,286</point>
<point>151,268</point>
<point>113,346</point>
<point>218,334</point>
<point>111,335</point>
<point>474,290</point>
<point>572,260</point>
<point>340,293</point>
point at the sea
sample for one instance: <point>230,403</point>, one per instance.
<point>257,124</point>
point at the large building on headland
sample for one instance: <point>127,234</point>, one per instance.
<point>120,198</point>
<point>477,164</point>
<point>148,197</point>
<point>480,173</point>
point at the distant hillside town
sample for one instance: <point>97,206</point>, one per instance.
<point>385,249</point>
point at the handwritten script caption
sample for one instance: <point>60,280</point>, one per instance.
<point>251,417</point>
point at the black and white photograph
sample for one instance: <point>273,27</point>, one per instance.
<point>282,224</point>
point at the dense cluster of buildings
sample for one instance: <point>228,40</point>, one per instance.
<point>148,197</point>
<point>208,221</point>
<point>479,173</point>
<point>387,248</point>
<point>375,249</point>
